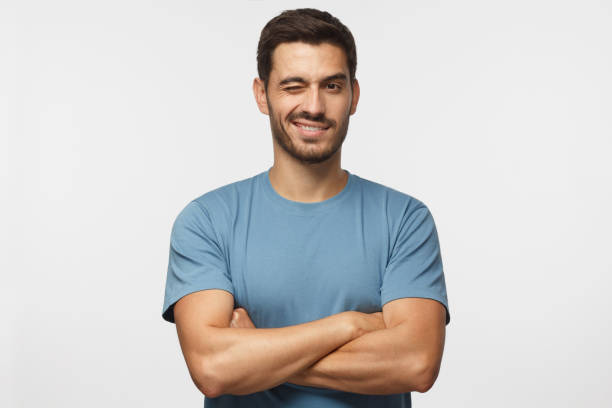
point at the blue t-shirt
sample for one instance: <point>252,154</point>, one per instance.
<point>288,262</point>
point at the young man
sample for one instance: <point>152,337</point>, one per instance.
<point>307,285</point>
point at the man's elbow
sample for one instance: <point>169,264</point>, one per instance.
<point>206,377</point>
<point>425,385</point>
<point>424,374</point>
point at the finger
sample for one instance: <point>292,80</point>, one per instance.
<point>234,321</point>
<point>243,319</point>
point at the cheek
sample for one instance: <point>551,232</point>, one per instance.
<point>340,111</point>
<point>340,103</point>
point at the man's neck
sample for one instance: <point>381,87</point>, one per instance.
<point>307,183</point>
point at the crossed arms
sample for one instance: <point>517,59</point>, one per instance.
<point>398,350</point>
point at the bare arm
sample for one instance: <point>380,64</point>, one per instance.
<point>224,360</point>
<point>404,357</point>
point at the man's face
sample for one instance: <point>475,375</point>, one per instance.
<point>309,99</point>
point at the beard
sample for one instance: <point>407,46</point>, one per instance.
<point>316,152</point>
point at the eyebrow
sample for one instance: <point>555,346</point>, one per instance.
<point>301,80</point>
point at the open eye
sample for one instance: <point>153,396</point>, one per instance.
<point>332,86</point>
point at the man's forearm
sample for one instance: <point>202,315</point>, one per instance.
<point>375,363</point>
<point>242,361</point>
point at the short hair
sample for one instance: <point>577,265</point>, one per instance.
<point>306,25</point>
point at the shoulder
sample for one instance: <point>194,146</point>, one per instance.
<point>220,204</point>
<point>391,200</point>
<point>227,195</point>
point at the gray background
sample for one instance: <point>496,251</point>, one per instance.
<point>115,114</point>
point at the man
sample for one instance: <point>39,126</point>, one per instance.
<point>307,285</point>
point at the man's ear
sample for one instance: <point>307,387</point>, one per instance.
<point>355,96</point>
<point>259,90</point>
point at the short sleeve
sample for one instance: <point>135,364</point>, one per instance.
<point>415,264</point>
<point>196,259</point>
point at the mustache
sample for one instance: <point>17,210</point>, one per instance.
<point>326,122</point>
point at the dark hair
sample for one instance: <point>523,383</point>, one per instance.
<point>304,25</point>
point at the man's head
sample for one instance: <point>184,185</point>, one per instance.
<point>306,61</point>
<point>305,25</point>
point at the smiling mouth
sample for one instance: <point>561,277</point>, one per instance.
<point>309,131</point>
<point>310,128</point>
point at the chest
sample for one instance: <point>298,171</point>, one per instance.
<point>290,270</point>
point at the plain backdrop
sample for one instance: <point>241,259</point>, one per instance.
<point>115,114</point>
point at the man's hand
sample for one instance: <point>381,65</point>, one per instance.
<point>241,319</point>
<point>369,322</point>
<point>365,322</point>
<point>374,362</point>
<point>230,360</point>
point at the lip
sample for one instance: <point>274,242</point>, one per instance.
<point>309,133</point>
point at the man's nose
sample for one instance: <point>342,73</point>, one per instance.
<point>313,102</point>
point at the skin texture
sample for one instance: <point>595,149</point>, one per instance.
<point>308,84</point>
<point>405,356</point>
<point>230,360</point>
<point>307,168</point>
<point>396,350</point>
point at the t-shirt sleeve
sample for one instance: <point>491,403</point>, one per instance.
<point>196,261</point>
<point>415,264</point>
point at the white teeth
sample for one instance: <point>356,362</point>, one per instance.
<point>310,127</point>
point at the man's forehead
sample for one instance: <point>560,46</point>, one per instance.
<point>308,61</point>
